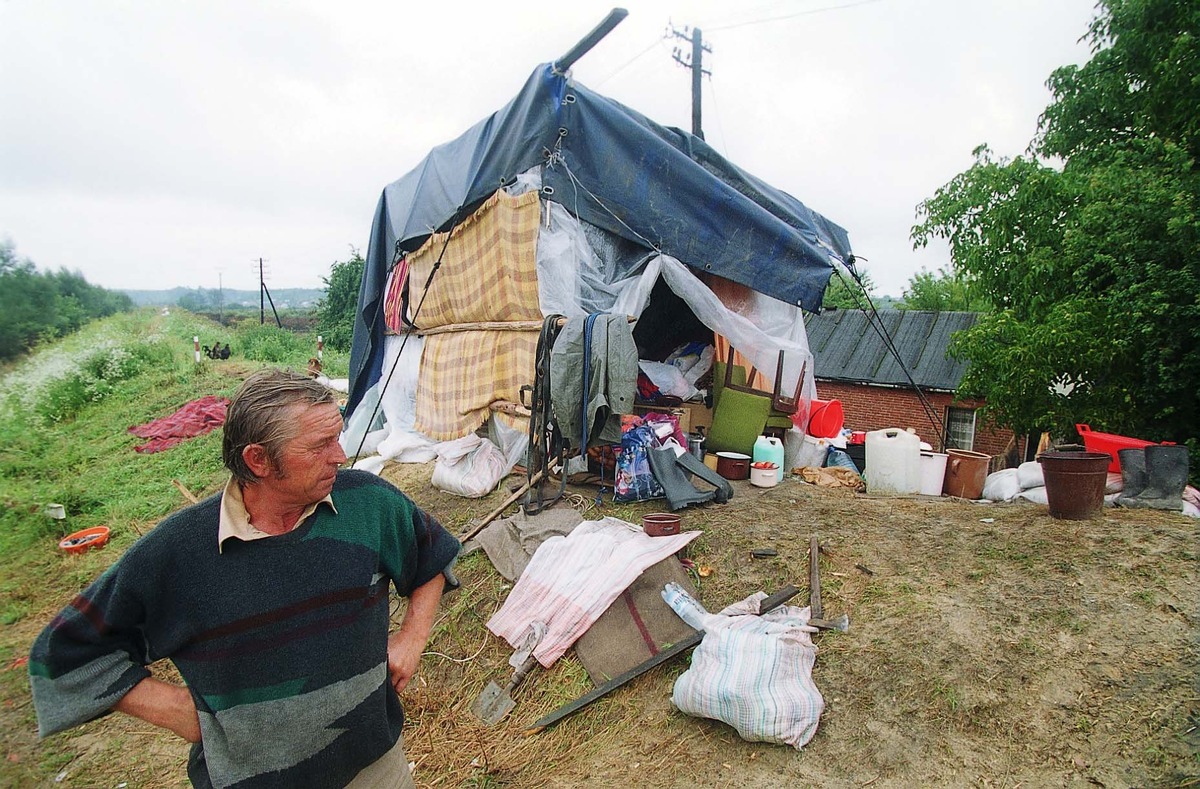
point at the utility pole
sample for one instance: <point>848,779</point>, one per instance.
<point>696,63</point>
<point>262,289</point>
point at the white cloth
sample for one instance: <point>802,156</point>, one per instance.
<point>572,580</point>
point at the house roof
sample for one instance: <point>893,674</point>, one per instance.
<point>848,348</point>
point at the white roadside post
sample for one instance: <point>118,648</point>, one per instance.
<point>196,345</point>
<point>320,348</point>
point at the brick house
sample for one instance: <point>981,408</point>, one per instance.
<point>854,366</point>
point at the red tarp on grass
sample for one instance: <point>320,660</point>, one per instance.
<point>194,419</point>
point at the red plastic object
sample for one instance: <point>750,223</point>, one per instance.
<point>1110,444</point>
<point>80,541</point>
<point>825,418</point>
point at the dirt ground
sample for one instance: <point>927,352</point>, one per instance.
<point>989,646</point>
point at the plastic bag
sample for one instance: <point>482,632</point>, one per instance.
<point>469,466</point>
<point>635,481</point>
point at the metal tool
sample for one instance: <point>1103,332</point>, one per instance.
<point>840,623</point>
<point>496,702</point>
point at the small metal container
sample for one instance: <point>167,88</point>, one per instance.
<point>660,524</point>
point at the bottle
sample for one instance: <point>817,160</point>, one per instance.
<point>770,449</point>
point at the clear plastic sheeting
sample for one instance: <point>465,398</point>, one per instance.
<point>574,280</point>
<point>392,436</point>
<point>748,335</point>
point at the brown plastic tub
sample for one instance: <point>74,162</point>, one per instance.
<point>1075,483</point>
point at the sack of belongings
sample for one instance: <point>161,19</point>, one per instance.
<point>751,671</point>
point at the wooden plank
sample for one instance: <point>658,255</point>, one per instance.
<point>814,579</point>
<point>187,494</point>
<point>767,604</point>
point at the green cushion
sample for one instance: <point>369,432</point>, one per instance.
<point>738,420</point>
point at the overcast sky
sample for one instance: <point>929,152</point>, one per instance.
<point>152,144</point>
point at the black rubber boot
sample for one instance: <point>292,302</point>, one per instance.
<point>1133,474</point>
<point>1166,477</point>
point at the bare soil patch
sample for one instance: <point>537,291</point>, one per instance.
<point>990,645</point>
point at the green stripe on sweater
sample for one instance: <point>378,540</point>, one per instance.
<point>225,701</point>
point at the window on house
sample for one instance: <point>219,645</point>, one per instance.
<point>960,428</point>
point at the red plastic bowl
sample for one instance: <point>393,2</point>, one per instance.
<point>84,540</point>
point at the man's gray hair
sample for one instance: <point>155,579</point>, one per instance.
<point>261,413</point>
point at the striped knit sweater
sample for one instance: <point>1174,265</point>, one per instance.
<point>282,641</point>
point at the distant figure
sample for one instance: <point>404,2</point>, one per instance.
<point>314,367</point>
<point>224,351</point>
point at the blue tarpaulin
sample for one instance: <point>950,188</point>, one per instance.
<point>659,187</point>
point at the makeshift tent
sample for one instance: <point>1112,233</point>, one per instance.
<point>567,202</point>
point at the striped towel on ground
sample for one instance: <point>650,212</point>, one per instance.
<point>572,580</point>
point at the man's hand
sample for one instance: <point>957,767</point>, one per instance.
<point>163,704</point>
<point>404,656</point>
<point>405,646</point>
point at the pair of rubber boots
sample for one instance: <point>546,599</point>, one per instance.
<point>1153,477</point>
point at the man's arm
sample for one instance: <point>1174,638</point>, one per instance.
<point>406,644</point>
<point>163,704</point>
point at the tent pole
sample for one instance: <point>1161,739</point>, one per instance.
<point>590,40</point>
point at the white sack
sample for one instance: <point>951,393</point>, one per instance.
<point>1036,495</point>
<point>1029,475</point>
<point>469,466</point>
<point>1003,485</point>
<point>753,672</point>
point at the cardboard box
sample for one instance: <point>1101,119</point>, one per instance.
<point>691,415</point>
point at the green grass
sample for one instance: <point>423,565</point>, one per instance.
<point>64,416</point>
<point>65,411</point>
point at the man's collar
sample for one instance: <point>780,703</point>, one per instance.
<point>235,520</point>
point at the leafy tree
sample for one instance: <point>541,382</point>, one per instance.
<point>945,291</point>
<point>1089,245</point>
<point>846,293</point>
<point>34,305</point>
<point>335,312</point>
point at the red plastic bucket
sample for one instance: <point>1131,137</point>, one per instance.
<point>825,418</point>
<point>1110,444</point>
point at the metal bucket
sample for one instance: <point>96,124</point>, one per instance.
<point>1075,483</point>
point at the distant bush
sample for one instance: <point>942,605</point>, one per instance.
<point>266,343</point>
<point>335,313</point>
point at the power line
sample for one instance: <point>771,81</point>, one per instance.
<point>656,42</point>
<point>793,16</point>
<point>712,86</point>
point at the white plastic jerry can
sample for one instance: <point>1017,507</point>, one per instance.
<point>893,462</point>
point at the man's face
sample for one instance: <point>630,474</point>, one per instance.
<point>309,462</point>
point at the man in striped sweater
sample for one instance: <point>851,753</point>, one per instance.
<point>271,599</point>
